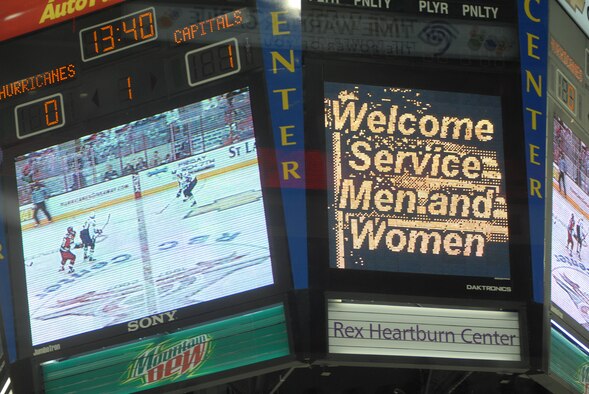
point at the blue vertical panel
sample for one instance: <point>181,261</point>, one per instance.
<point>533,38</point>
<point>280,29</point>
<point>6,291</point>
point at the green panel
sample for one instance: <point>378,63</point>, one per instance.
<point>569,362</point>
<point>198,351</point>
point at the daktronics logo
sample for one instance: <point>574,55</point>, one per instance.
<point>170,360</point>
<point>506,289</point>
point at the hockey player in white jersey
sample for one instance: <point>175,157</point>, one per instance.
<point>88,236</point>
<point>186,183</point>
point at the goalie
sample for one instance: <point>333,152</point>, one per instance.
<point>88,236</point>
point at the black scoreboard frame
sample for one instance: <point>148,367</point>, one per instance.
<point>427,74</point>
<point>251,78</point>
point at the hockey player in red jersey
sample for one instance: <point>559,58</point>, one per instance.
<point>65,250</point>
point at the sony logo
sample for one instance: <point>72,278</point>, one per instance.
<point>151,321</point>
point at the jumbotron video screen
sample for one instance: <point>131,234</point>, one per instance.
<point>570,213</point>
<point>416,181</point>
<point>146,217</point>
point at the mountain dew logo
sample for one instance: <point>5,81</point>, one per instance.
<point>169,360</point>
<point>583,376</point>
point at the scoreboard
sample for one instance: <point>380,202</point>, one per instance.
<point>169,164</point>
<point>133,174</point>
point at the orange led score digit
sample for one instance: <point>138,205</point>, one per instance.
<point>51,111</point>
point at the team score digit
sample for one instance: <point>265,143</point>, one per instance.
<point>213,62</point>
<point>39,116</point>
<point>566,92</point>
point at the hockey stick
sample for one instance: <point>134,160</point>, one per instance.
<point>107,220</point>
<point>197,188</point>
<point>166,206</point>
<point>101,237</point>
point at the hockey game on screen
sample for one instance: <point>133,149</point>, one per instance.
<point>146,217</point>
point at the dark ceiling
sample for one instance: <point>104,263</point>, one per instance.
<point>365,380</point>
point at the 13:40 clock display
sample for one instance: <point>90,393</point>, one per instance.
<point>118,34</point>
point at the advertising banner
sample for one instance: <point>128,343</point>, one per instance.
<point>533,33</point>
<point>154,362</point>
<point>280,27</point>
<point>19,17</point>
<point>569,361</point>
<point>376,33</point>
<point>389,330</point>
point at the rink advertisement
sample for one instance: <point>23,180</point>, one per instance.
<point>388,330</point>
<point>203,350</point>
<point>416,181</point>
<point>102,251</point>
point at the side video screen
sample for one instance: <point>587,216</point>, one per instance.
<point>416,181</point>
<point>150,216</point>
<point>570,213</point>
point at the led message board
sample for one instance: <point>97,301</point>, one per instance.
<point>416,181</point>
<point>418,331</point>
<point>570,224</point>
<point>131,221</point>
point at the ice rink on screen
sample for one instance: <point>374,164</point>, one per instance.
<point>569,269</point>
<point>157,253</point>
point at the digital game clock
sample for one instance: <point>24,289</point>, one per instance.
<point>118,34</point>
